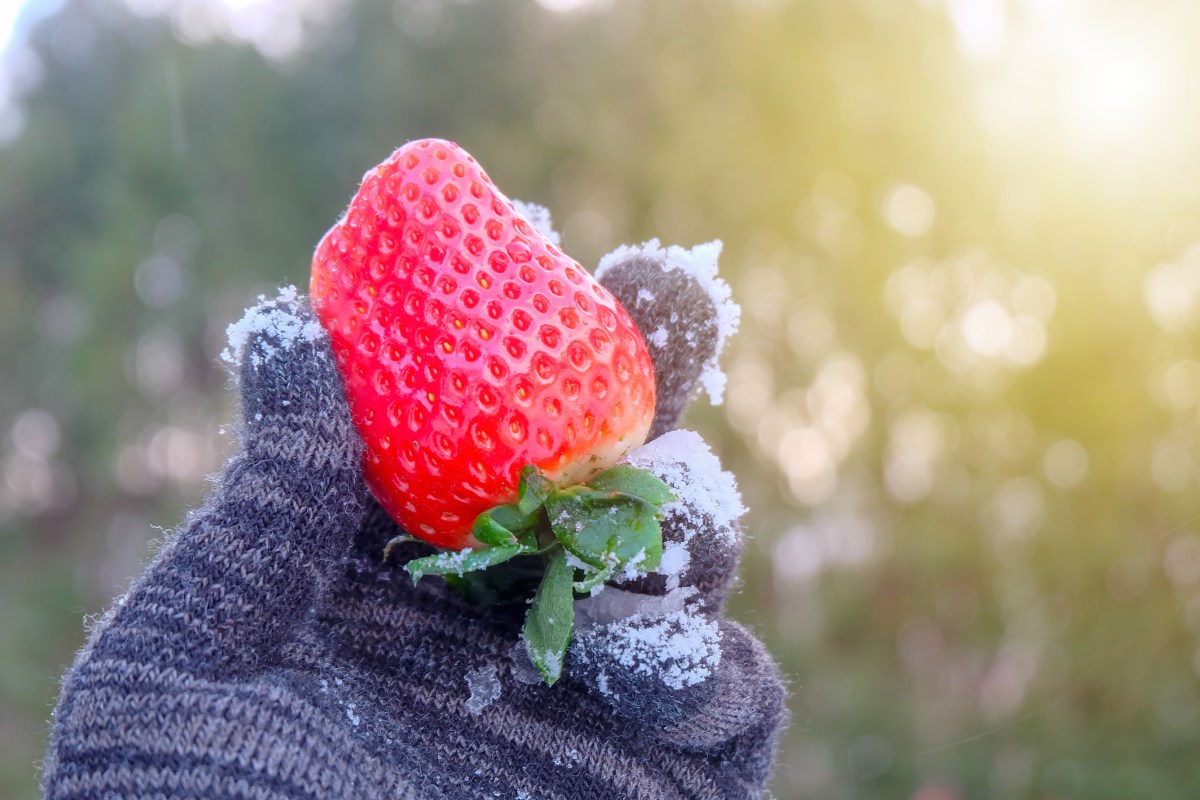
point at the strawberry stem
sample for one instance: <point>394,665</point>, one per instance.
<point>606,525</point>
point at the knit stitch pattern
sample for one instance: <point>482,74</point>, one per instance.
<point>269,651</point>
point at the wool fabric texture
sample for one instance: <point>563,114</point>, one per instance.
<point>269,651</point>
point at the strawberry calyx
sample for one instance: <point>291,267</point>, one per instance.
<point>583,534</point>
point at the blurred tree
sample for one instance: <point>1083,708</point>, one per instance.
<point>963,404</point>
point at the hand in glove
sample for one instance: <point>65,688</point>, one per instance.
<point>270,651</point>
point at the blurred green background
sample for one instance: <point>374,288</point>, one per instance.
<point>963,404</point>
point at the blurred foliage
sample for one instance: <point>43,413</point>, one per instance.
<point>963,403</point>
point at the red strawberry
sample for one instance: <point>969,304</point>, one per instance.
<point>470,345</point>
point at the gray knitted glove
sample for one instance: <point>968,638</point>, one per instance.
<point>270,652</point>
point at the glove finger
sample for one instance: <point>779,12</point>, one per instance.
<point>683,311</point>
<point>698,681</point>
<point>295,420</point>
<point>229,588</point>
<point>280,357</point>
<point>748,701</point>
<point>649,657</point>
<point>299,443</point>
<point>702,536</point>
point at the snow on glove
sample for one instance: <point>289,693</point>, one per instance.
<point>269,651</point>
<point>182,689</point>
<point>655,646</point>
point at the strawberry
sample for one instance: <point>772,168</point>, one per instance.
<point>489,375</point>
<point>470,345</point>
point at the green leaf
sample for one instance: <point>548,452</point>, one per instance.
<point>529,540</point>
<point>550,618</point>
<point>459,562</point>
<point>533,490</point>
<point>632,480</point>
<point>487,531</point>
<point>512,517</point>
<point>502,524</point>
<point>593,579</point>
<point>569,515</point>
<point>654,549</point>
<point>606,529</point>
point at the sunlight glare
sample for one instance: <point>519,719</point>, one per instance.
<point>1056,72</point>
<point>10,11</point>
<point>1113,91</point>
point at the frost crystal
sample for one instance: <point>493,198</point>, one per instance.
<point>681,648</point>
<point>539,217</point>
<point>633,567</point>
<point>676,559</point>
<point>451,560</point>
<point>700,263</point>
<point>484,687</point>
<point>659,337</point>
<point>683,460</point>
<point>269,317</point>
<point>553,661</point>
<point>522,665</point>
<point>618,604</point>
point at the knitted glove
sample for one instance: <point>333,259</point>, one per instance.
<point>270,652</point>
